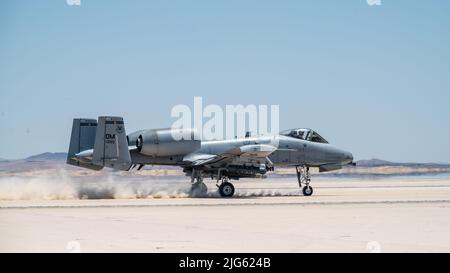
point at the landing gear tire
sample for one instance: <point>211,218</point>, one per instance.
<point>307,190</point>
<point>226,189</point>
<point>198,189</point>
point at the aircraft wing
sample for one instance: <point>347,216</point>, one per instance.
<point>197,159</point>
<point>249,152</point>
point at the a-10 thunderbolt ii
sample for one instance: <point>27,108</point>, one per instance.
<point>95,145</point>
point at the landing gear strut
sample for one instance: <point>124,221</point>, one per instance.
<point>226,189</point>
<point>198,188</point>
<point>304,177</point>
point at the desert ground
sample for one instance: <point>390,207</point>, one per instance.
<point>388,214</point>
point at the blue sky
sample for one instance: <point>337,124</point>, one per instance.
<point>371,79</point>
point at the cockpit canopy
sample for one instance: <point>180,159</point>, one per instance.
<point>305,134</point>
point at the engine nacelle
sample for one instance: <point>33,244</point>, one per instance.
<point>166,142</point>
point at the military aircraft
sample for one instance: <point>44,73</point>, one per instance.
<point>104,143</point>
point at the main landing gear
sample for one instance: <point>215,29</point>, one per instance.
<point>304,177</point>
<point>198,187</point>
<point>226,189</point>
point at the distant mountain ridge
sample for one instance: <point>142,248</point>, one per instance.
<point>47,157</point>
<point>381,163</point>
<point>54,162</point>
<point>375,162</point>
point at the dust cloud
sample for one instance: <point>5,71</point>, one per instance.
<point>61,186</point>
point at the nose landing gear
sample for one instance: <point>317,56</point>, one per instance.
<point>304,177</point>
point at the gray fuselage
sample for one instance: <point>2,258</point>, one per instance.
<point>290,152</point>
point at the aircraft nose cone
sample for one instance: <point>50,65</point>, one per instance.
<point>348,157</point>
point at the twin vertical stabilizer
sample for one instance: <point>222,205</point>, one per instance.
<point>95,145</point>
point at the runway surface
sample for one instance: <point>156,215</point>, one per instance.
<point>385,215</point>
